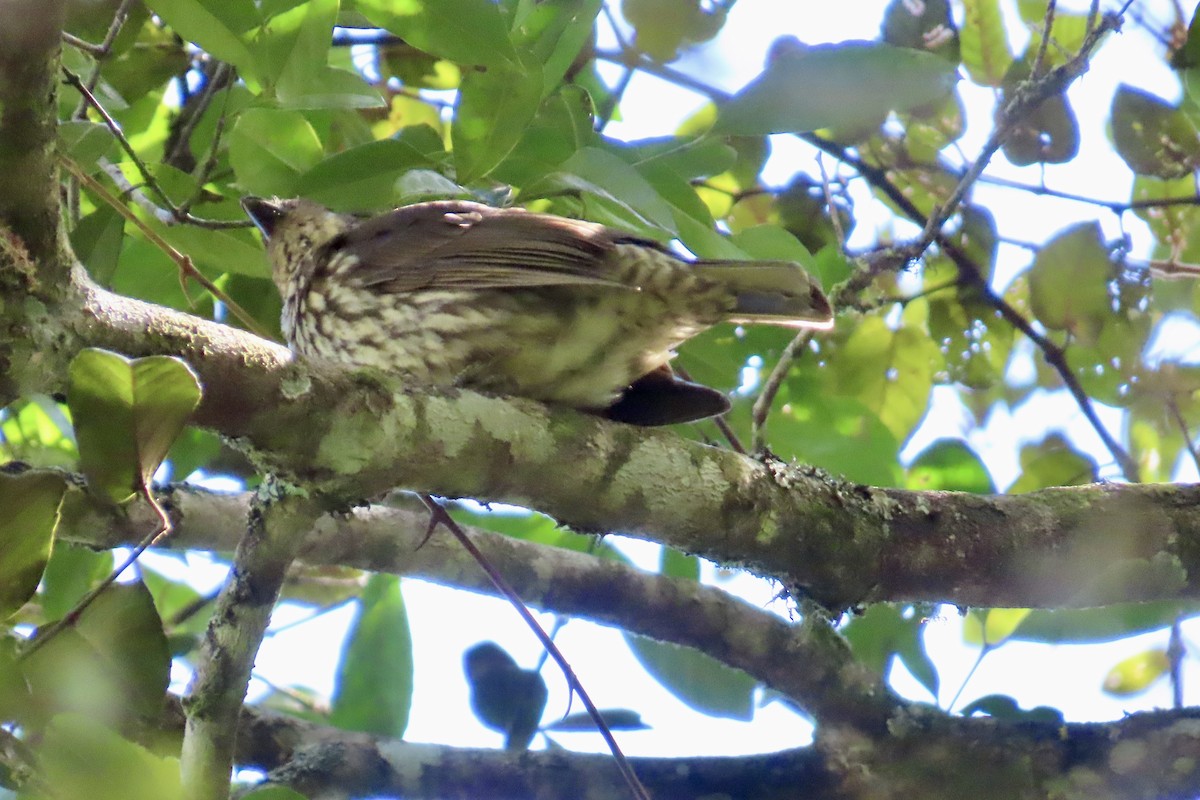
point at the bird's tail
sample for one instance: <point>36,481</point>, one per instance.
<point>770,293</point>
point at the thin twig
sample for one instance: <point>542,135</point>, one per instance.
<point>100,51</point>
<point>439,516</point>
<point>1183,428</point>
<point>766,398</point>
<point>164,529</point>
<point>184,262</point>
<point>735,444</point>
<point>1040,58</point>
<point>180,215</point>
<point>1175,655</point>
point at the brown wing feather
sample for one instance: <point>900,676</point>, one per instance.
<point>457,244</point>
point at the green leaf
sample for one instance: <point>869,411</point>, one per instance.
<point>617,719</point>
<point>1068,282</point>
<point>664,27</point>
<point>1153,136</point>
<point>1004,707</point>
<point>375,676</point>
<point>985,51</point>
<point>995,626</point>
<point>113,664</point>
<point>1052,462</point>
<point>85,142</point>
<point>698,679</point>
<point>494,108</point>
<point>844,86</point>
<point>773,243</point>
<point>218,251</point>
<point>126,415</point>
<point>927,25</point>
<point>838,434</point>
<point>364,177</point>
<point>1135,674</point>
<point>72,571</point>
<point>889,371</point>
<point>269,149</point>
<point>38,432</point>
<point>678,565</point>
<point>80,757</point>
<point>463,31</point>
<point>299,41</point>
<point>31,504</point>
<point>883,631</point>
<point>608,176</point>
<point>1048,133</point>
<point>97,240</point>
<point>216,26</point>
<point>555,33</point>
<point>1100,624</point>
<point>949,465</point>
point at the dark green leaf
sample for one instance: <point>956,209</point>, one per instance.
<point>617,719</point>
<point>1052,462</point>
<point>705,684</point>
<point>375,677</point>
<point>841,86</point>
<point>1153,136</point>
<point>97,240</point>
<point>72,571</point>
<point>464,31</point>
<point>31,504</point>
<point>1004,707</point>
<point>85,142</point>
<point>364,178</point>
<point>1102,624</point>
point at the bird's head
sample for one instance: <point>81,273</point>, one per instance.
<point>292,230</point>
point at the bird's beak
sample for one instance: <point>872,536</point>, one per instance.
<point>265,214</point>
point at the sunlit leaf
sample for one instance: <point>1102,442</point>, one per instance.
<point>985,50</point>
<point>126,415</point>
<point>1137,672</point>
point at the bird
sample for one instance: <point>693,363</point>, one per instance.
<point>454,293</point>
<point>505,697</point>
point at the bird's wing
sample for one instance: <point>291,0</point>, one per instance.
<point>455,244</point>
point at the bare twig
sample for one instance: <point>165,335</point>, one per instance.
<point>1183,428</point>
<point>1040,58</point>
<point>100,51</point>
<point>186,267</point>
<point>177,213</point>
<point>766,398</point>
<point>71,617</point>
<point>439,515</point>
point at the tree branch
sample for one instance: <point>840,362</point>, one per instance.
<point>279,520</point>
<point>356,435</point>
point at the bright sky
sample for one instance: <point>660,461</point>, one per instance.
<point>445,623</point>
